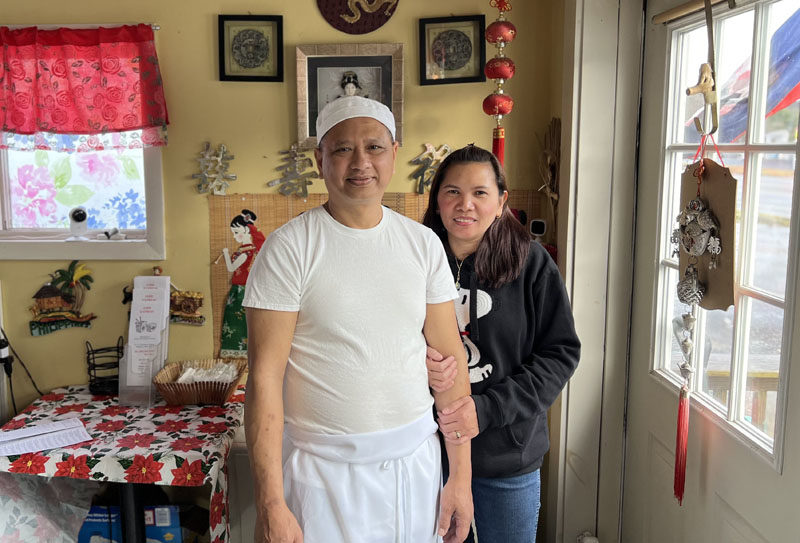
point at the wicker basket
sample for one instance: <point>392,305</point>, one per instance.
<point>204,392</point>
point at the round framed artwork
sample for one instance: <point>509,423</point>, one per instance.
<point>357,16</point>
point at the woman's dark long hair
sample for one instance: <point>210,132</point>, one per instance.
<point>504,247</point>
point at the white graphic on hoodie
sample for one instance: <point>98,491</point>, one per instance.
<point>483,306</point>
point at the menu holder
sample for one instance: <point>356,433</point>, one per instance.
<point>148,340</point>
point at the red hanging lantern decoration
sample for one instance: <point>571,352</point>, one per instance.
<point>501,69</point>
<point>501,31</point>
<point>498,104</point>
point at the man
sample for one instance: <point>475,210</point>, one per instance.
<point>341,302</point>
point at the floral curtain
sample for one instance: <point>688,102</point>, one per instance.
<point>102,84</point>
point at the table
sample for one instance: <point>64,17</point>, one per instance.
<point>162,445</point>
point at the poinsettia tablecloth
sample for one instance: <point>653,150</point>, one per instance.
<point>163,445</point>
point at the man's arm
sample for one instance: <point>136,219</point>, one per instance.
<point>441,333</point>
<point>269,341</point>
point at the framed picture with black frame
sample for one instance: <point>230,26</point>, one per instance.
<point>330,71</point>
<point>250,48</point>
<point>452,50</point>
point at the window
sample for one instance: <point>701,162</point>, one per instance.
<point>82,117</point>
<point>118,188</point>
<point>741,355</point>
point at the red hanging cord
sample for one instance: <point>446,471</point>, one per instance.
<point>717,150</point>
<point>701,148</point>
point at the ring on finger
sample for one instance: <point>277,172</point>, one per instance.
<point>458,434</point>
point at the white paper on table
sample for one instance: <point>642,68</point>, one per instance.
<point>43,436</point>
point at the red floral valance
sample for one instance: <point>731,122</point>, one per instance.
<point>79,81</point>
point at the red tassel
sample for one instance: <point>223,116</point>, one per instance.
<point>499,143</point>
<point>681,442</point>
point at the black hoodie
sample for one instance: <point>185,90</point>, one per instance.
<point>521,349</point>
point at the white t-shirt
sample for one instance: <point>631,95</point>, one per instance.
<point>357,362</point>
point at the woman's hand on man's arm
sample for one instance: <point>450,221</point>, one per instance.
<point>441,371</point>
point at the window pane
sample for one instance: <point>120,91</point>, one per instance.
<point>692,49</point>
<point>783,90</point>
<point>45,185</point>
<point>771,238</point>
<point>734,46</point>
<point>782,126</point>
<point>675,309</point>
<point>735,163</point>
<point>763,364</point>
<point>675,167</point>
<point>717,354</point>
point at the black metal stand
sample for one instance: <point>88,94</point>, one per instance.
<point>103,367</point>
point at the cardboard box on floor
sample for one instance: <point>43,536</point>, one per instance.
<point>104,525</point>
<point>162,524</point>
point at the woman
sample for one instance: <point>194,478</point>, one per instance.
<point>517,327</point>
<point>234,325</point>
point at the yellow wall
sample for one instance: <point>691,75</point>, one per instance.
<point>256,120</point>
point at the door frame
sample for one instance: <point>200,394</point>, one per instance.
<point>603,44</point>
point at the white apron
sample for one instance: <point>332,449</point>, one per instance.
<point>378,487</point>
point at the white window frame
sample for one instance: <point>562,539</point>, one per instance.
<point>769,450</point>
<point>52,245</point>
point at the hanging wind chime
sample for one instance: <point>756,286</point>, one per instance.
<point>700,248</point>
<point>697,234</point>
<point>500,68</point>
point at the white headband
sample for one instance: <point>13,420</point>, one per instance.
<point>348,107</point>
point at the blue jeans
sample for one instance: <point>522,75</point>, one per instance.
<point>506,510</point>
